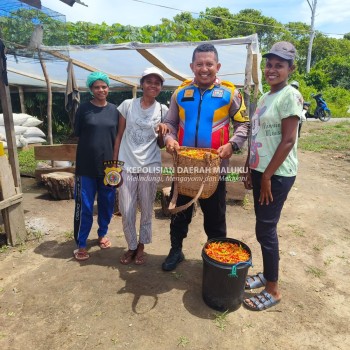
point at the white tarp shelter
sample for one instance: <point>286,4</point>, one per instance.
<point>240,59</point>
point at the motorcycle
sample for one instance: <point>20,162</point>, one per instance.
<point>322,112</point>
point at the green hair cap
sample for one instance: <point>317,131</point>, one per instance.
<point>92,77</point>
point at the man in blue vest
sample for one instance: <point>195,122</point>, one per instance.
<point>199,116</point>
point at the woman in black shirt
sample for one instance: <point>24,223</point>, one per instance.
<point>96,125</point>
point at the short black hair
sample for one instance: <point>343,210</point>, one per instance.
<point>205,48</point>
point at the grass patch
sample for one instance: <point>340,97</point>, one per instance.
<point>315,271</point>
<point>221,320</point>
<point>36,234</point>
<point>232,177</point>
<point>69,236</point>
<point>4,248</point>
<point>328,261</point>
<point>316,248</point>
<point>177,275</point>
<point>297,231</point>
<point>183,341</point>
<point>27,162</point>
<point>318,136</point>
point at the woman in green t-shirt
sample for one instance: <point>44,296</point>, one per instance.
<point>272,163</point>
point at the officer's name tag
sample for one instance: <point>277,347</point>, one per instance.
<point>217,93</point>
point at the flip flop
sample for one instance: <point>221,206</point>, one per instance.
<point>261,301</point>
<point>140,259</point>
<point>81,255</point>
<point>128,257</point>
<point>255,281</point>
<point>104,242</point>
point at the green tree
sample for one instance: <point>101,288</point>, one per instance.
<point>216,23</point>
<point>18,28</point>
<point>317,79</point>
<point>251,21</point>
<point>337,70</point>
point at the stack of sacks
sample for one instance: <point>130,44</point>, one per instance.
<point>26,130</point>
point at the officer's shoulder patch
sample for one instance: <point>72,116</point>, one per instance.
<point>228,84</point>
<point>186,82</point>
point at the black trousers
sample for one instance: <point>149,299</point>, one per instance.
<point>267,218</point>
<point>214,212</point>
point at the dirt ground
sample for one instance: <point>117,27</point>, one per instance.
<point>50,301</point>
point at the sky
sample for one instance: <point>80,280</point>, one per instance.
<point>332,16</point>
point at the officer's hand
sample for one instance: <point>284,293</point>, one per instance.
<point>225,151</point>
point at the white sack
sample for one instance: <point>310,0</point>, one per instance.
<point>35,139</point>
<point>33,131</point>
<point>32,121</point>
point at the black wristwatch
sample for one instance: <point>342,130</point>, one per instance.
<point>235,148</point>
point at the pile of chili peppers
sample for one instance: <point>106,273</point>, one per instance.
<point>193,153</point>
<point>227,252</point>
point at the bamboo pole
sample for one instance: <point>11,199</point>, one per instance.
<point>49,99</point>
<point>21,99</point>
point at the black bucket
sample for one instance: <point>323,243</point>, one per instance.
<point>223,284</point>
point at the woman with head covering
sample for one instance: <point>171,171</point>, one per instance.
<point>96,125</point>
<point>139,129</point>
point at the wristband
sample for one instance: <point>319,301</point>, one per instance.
<point>235,148</point>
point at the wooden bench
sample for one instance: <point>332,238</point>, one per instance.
<point>64,152</point>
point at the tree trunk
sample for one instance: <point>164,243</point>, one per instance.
<point>49,99</point>
<point>59,184</point>
<point>312,34</point>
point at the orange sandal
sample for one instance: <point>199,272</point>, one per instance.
<point>104,242</point>
<point>81,255</point>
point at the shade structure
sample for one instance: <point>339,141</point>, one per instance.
<point>239,57</point>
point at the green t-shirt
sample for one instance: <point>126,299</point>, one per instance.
<point>266,126</point>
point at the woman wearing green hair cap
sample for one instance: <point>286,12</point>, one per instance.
<point>96,125</point>
<point>92,77</point>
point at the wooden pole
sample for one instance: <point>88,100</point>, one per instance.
<point>8,119</point>
<point>248,78</point>
<point>312,5</point>
<point>49,99</point>
<point>21,99</point>
<point>134,92</point>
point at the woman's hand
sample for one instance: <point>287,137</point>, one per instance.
<point>171,145</point>
<point>265,191</point>
<point>162,129</point>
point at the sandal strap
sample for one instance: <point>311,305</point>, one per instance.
<point>256,281</point>
<point>266,299</point>
<point>263,300</point>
